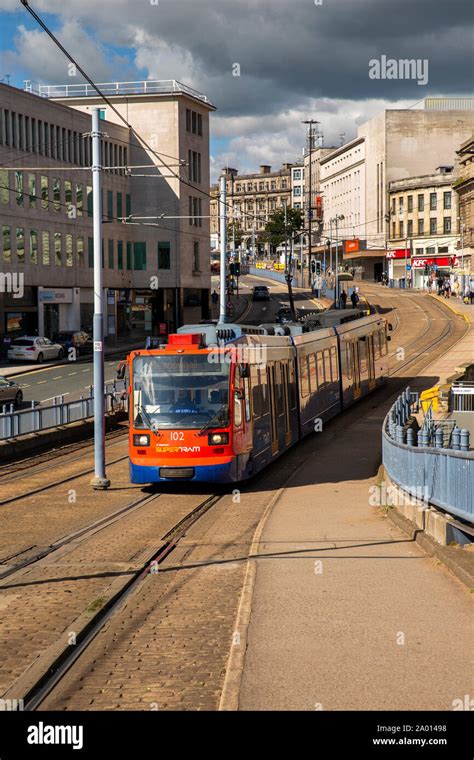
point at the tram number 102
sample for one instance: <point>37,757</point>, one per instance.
<point>177,436</point>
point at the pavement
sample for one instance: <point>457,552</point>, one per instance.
<point>347,611</point>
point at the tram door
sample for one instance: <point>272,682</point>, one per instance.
<point>356,368</point>
<point>273,409</point>
<point>286,400</point>
<point>371,361</point>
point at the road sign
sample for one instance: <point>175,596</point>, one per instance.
<point>408,267</point>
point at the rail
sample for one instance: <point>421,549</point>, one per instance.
<point>420,462</point>
<point>462,396</point>
<point>143,87</point>
<point>38,418</point>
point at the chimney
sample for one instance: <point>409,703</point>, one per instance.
<point>265,169</point>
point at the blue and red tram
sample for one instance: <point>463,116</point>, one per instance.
<point>217,404</point>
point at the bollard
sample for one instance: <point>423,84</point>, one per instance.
<point>410,436</point>
<point>456,439</point>
<point>464,440</point>
<point>439,438</point>
<point>399,434</point>
<point>422,437</point>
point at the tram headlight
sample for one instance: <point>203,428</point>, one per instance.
<point>141,440</point>
<point>217,439</point>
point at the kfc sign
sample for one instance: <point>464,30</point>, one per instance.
<point>398,253</point>
<point>439,261</point>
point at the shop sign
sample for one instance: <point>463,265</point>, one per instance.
<point>58,295</point>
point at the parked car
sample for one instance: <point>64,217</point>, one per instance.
<point>10,392</point>
<point>78,339</point>
<point>260,293</point>
<point>33,349</point>
<point>284,315</point>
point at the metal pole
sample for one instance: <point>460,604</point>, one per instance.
<point>223,236</point>
<point>254,252</point>
<point>99,481</point>
<point>310,209</point>
<point>336,281</point>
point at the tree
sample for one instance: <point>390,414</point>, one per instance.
<point>275,230</point>
<point>234,228</point>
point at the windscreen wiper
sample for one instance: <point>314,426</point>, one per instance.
<point>147,419</point>
<point>217,417</point>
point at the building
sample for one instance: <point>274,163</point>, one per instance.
<point>424,229</point>
<point>251,200</point>
<point>152,274</point>
<point>464,189</point>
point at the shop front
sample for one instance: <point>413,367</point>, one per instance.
<point>20,314</point>
<point>426,269</point>
<point>399,268</point>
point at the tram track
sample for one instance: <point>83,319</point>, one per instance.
<point>53,672</point>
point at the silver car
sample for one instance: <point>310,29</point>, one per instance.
<point>10,392</point>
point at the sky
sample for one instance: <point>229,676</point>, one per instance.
<point>266,65</point>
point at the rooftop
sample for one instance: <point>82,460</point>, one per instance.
<point>111,89</point>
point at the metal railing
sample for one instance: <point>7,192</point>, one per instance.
<point>14,423</point>
<point>462,396</point>
<point>143,87</point>
<point>420,463</point>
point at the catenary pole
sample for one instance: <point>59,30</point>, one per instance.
<point>99,481</point>
<point>223,240</point>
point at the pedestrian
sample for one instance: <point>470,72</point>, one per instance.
<point>447,289</point>
<point>354,299</point>
<point>471,292</point>
<point>467,293</point>
<point>214,297</point>
<point>343,299</point>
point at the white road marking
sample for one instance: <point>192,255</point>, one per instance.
<point>24,386</point>
<point>40,382</point>
<point>72,373</point>
<point>86,370</point>
<point>58,378</point>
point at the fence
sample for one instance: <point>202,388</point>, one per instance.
<point>421,462</point>
<point>16,423</point>
<point>462,396</point>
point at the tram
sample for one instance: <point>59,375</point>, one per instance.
<point>218,403</point>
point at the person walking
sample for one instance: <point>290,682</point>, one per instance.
<point>343,299</point>
<point>354,299</point>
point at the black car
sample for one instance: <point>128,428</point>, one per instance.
<point>284,315</point>
<point>78,339</point>
<point>260,293</point>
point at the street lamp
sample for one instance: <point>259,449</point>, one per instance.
<point>335,220</point>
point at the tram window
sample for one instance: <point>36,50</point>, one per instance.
<point>292,387</point>
<point>279,388</point>
<point>334,370</point>
<point>383,344</point>
<point>376,345</point>
<point>247,399</point>
<point>313,378</point>
<point>349,360</point>
<point>256,393</point>
<point>327,365</point>
<point>264,389</point>
<point>304,377</point>
<point>320,362</point>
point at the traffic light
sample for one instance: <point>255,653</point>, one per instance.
<point>318,267</point>
<point>232,268</point>
<point>237,268</point>
<point>313,267</point>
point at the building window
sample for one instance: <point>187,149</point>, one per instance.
<point>56,194</point>
<point>284,184</point>
<point>164,255</point>
<point>421,227</point>
<point>69,254</point>
<point>196,257</point>
<point>58,254</point>
<point>32,190</point>
<point>432,226</point>
<point>89,200</point>
<point>79,199</point>
<point>139,256</point>
<point>129,256</point>
<point>400,205</point>
<point>90,252</point>
<point>297,174</point>
<point>410,203</point>
<point>199,124</point>
<point>34,246</point>
<point>432,201</point>
<point>128,205</point>
<point>20,245</point>
<point>45,246</point>
<point>297,192</point>
<point>120,255</point>
<point>447,200</point>
<point>410,228</point>
<point>111,253</point>
<point>400,227</point>
<point>70,211</point>
<point>238,188</point>
<point>394,230</point>
<point>7,244</point>
<point>194,160</point>
<point>188,120</point>
<point>110,204</point>
<point>4,186</point>
<point>19,188</point>
<point>421,203</point>
<point>80,251</point>
<point>119,206</point>
<point>447,224</point>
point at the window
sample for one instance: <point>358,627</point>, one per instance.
<point>432,226</point>
<point>110,204</point>
<point>447,200</point>
<point>80,251</point>
<point>196,257</point>
<point>421,227</point>
<point>119,206</point>
<point>19,188</point>
<point>68,199</point>
<point>313,378</point>
<point>20,245</point>
<point>139,256</point>
<point>400,205</point>
<point>34,246</point>
<point>297,174</point>
<point>79,199</point>
<point>199,124</point>
<point>164,255</point>
<point>58,254</point>
<point>256,393</point>
<point>410,203</point>
<point>111,253</point>
<point>56,194</point>
<point>69,253</point>
<point>4,186</point>
<point>45,246</point>
<point>129,256</point>
<point>89,200</point>
<point>400,227</point>
<point>432,201</point>
<point>410,228</point>
<point>188,120</point>
<point>194,160</point>
<point>447,224</point>
<point>394,230</point>
<point>334,367</point>
<point>90,252</point>
<point>297,191</point>
<point>120,255</point>
<point>128,204</point>
<point>421,203</point>
<point>7,243</point>
<point>304,376</point>
<point>320,363</point>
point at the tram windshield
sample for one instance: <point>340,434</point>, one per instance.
<point>180,391</point>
